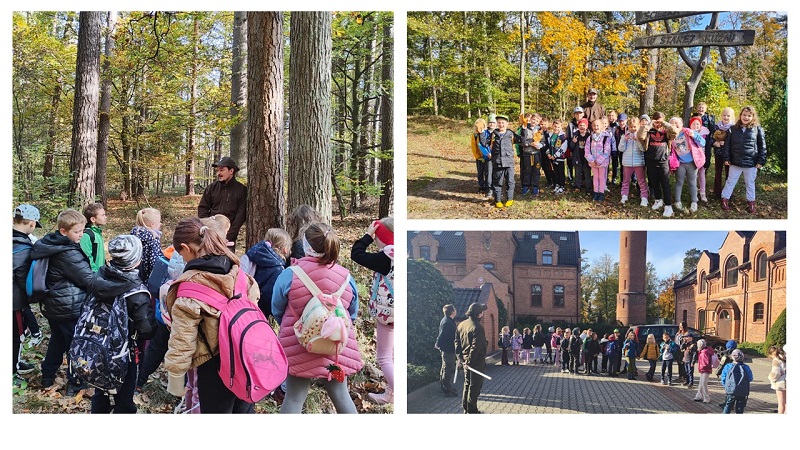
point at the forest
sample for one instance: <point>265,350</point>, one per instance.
<point>132,105</point>
<point>464,65</point>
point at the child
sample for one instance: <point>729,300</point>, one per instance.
<point>583,173</point>
<point>26,220</point>
<point>527,344</point>
<point>381,303</point>
<point>539,138</point>
<point>296,224</point>
<point>516,345</point>
<point>655,141</point>
<point>92,239</point>
<point>687,153</point>
<point>632,156</point>
<point>707,126</point>
<point>547,345</point>
<point>618,131</point>
<point>555,343</point>
<point>265,261</point>
<point>538,342</point>
<point>290,296</point>
<point>572,131</point>
<point>736,378</point>
<point>565,358</point>
<point>481,154</point>
<point>777,376</point>
<point>148,230</point>
<point>501,142</point>
<point>193,338</point>
<point>650,352</point>
<point>504,342</point>
<point>667,352</point>
<point>530,159</point>
<point>598,152</point>
<point>575,351</point>
<point>719,134</point>
<point>689,349</point>
<point>610,126</point>
<point>555,148</point>
<point>113,280</point>
<point>745,151</point>
<point>68,276</point>
<point>629,351</point>
<point>705,355</point>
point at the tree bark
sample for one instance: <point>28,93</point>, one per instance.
<point>192,113</point>
<point>265,200</point>
<point>386,204</point>
<point>105,110</point>
<point>647,99</point>
<point>366,127</point>
<point>309,109</point>
<point>522,26</point>
<point>84,130</point>
<point>239,91</point>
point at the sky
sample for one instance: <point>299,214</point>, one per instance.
<point>665,249</point>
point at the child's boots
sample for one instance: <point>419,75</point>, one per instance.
<point>382,399</point>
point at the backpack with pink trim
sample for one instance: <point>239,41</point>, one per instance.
<point>324,326</point>
<point>252,360</point>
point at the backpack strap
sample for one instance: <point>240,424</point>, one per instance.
<point>92,235</point>
<point>377,284</point>
<point>311,286</point>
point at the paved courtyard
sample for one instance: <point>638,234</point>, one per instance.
<point>543,389</point>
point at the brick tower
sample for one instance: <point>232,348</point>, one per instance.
<point>631,299</point>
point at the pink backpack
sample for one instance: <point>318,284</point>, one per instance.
<point>252,360</point>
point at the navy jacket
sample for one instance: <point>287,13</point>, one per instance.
<point>745,147</point>
<point>21,263</point>
<point>269,264</point>
<point>110,282</point>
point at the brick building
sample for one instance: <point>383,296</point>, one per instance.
<point>529,272</point>
<point>738,292</point>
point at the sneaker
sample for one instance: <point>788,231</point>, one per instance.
<point>75,389</point>
<point>624,199</point>
<point>658,204</point>
<point>535,191</point>
<point>34,340</point>
<point>668,211</point>
<point>678,206</point>
<point>525,190</point>
<point>23,367</point>
<point>278,395</point>
<point>47,382</point>
<point>644,202</point>
<point>382,399</point>
<point>19,381</point>
<point>509,203</point>
<point>693,207</point>
<point>498,205</point>
<point>703,197</point>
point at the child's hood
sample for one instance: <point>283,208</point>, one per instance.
<point>389,251</point>
<point>262,254</point>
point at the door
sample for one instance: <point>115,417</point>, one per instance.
<point>724,325</point>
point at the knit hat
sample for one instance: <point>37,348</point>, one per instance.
<point>551,330</point>
<point>492,118</point>
<point>701,344</point>
<point>584,120</point>
<point>644,117</point>
<point>737,355</point>
<point>125,251</point>
<point>730,345</point>
<point>576,331</point>
<point>693,119</point>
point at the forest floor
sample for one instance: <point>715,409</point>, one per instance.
<point>442,184</point>
<point>154,399</point>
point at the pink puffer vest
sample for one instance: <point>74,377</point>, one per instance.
<point>303,364</point>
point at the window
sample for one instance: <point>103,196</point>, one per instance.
<point>702,287</point>
<point>536,295</point>
<point>425,252</point>
<point>558,296</point>
<point>701,319</point>
<point>488,266</point>
<point>547,258</point>
<point>761,266</point>
<point>685,316</point>
<point>731,272</point>
<point>758,312</point>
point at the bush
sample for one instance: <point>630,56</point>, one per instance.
<point>428,292</point>
<point>419,376</point>
<point>777,334</point>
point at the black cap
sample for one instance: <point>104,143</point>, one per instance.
<point>475,309</point>
<point>226,161</point>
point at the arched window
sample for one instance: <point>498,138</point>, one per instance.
<point>547,258</point>
<point>536,295</point>
<point>761,266</point>
<point>758,312</point>
<point>558,296</point>
<point>731,272</point>
<point>702,281</point>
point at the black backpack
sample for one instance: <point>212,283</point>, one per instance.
<point>575,344</point>
<point>100,351</point>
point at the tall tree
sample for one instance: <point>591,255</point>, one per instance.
<point>387,123</point>
<point>84,129</point>
<point>193,80</point>
<point>309,110</point>
<point>265,199</point>
<point>239,90</point>
<point>650,61</point>
<point>105,110</point>
<point>690,260</point>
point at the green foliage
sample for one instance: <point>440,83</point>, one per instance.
<point>419,376</point>
<point>752,349</point>
<point>502,313</point>
<point>777,334</point>
<point>428,292</point>
<point>712,90</point>
<point>690,260</point>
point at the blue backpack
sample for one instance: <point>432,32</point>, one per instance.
<point>610,347</point>
<point>35,282</point>
<point>736,383</point>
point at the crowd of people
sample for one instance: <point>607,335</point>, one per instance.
<point>180,332</point>
<point>584,352</point>
<point>648,157</point>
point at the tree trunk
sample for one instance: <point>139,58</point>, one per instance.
<point>366,126</point>
<point>52,130</point>
<point>432,76</point>
<point>355,138</point>
<point>105,110</point>
<point>265,199</point>
<point>310,110</point>
<point>647,99</point>
<point>190,156</point>
<point>239,92</point>
<point>386,204</point>
<point>522,26</point>
<point>84,130</point>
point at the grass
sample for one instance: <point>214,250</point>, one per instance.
<point>442,185</point>
<point>154,399</point>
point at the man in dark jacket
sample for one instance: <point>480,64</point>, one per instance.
<point>26,219</point>
<point>67,279</point>
<point>226,196</point>
<point>471,346</point>
<point>593,109</point>
<point>446,344</point>
<point>121,278</point>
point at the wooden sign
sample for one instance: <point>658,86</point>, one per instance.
<point>643,17</point>
<point>721,38</point>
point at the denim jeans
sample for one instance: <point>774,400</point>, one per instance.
<point>666,366</point>
<point>737,403</point>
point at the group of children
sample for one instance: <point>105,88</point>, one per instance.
<point>649,151</point>
<point>181,332</point>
